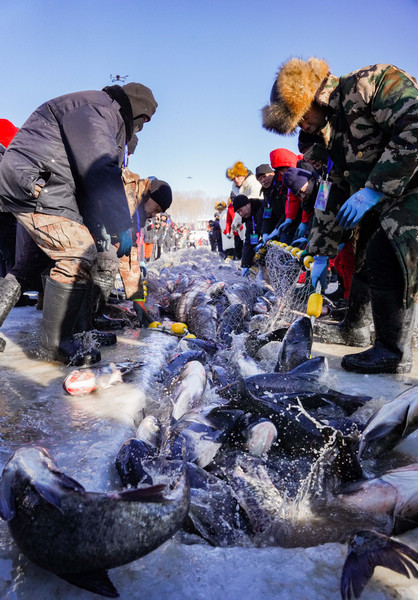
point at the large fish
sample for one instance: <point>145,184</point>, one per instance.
<point>393,421</point>
<point>305,377</point>
<point>296,347</point>
<point>76,534</point>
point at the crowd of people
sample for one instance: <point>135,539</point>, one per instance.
<point>72,210</point>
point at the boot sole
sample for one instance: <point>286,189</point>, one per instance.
<point>376,369</point>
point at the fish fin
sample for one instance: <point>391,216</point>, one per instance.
<point>97,582</point>
<point>53,492</point>
<point>152,493</point>
<point>367,550</point>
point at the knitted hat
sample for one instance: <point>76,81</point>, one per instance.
<point>295,179</point>
<point>237,170</point>
<point>161,193</point>
<point>7,132</point>
<point>142,102</point>
<point>263,170</point>
<point>240,201</point>
<point>292,93</point>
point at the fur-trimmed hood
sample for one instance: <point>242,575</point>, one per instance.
<point>293,92</point>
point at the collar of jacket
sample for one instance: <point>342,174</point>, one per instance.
<point>117,93</point>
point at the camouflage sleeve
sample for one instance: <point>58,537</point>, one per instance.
<point>394,108</point>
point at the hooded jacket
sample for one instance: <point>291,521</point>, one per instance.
<point>74,145</point>
<point>254,224</point>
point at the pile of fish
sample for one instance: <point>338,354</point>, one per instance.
<point>229,452</point>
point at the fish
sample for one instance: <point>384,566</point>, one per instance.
<point>394,493</point>
<point>392,422</point>
<point>256,340</point>
<point>79,535</point>
<point>296,347</point>
<point>84,381</point>
<point>186,390</point>
<point>369,549</point>
<point>202,317</point>
<point>305,377</point>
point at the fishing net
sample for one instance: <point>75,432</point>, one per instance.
<point>290,281</point>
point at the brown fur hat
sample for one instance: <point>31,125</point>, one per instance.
<point>293,92</point>
<point>237,170</point>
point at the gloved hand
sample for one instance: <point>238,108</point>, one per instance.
<point>245,271</point>
<point>125,239</point>
<point>356,206</point>
<point>269,236</point>
<point>285,225</point>
<point>229,235</point>
<point>300,231</point>
<point>143,268</point>
<point>319,271</point>
<point>257,248</point>
<point>103,240</point>
<point>300,242</point>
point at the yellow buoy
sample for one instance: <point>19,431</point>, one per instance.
<point>179,328</point>
<point>294,251</point>
<point>190,336</point>
<point>308,261</point>
<point>154,325</point>
<point>314,308</point>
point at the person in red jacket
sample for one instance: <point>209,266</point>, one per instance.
<point>287,220</point>
<point>230,228</point>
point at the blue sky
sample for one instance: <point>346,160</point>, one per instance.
<point>210,65</point>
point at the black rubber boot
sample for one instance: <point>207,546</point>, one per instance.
<point>9,295</point>
<point>354,329</point>
<point>63,316</point>
<point>394,325</point>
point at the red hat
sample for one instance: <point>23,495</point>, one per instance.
<point>7,132</point>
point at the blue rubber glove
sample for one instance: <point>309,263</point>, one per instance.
<point>356,206</point>
<point>245,271</point>
<point>125,239</point>
<point>300,242</point>
<point>103,240</point>
<point>285,225</point>
<point>300,231</point>
<point>143,268</point>
<point>257,248</point>
<point>319,271</point>
<point>266,238</point>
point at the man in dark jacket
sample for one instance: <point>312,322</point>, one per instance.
<point>251,212</point>
<point>61,178</point>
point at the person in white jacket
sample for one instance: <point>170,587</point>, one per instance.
<point>244,182</point>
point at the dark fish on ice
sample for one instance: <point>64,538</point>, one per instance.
<point>76,534</point>
<point>296,347</point>
<point>232,321</point>
<point>187,389</point>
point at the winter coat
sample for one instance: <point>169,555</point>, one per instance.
<point>234,223</point>
<point>254,223</point>
<point>74,144</point>
<point>372,137</point>
<point>251,187</point>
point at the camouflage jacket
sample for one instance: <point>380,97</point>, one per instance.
<point>136,190</point>
<point>372,137</point>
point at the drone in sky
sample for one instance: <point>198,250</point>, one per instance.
<point>120,78</point>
